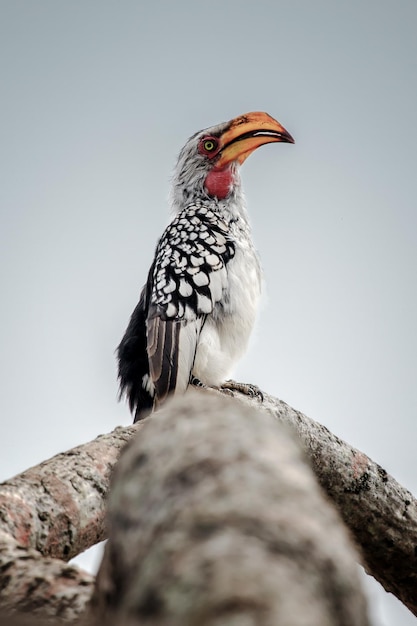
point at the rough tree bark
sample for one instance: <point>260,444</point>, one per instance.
<point>381,514</point>
<point>57,509</point>
<point>42,586</point>
<point>215,518</point>
<point>58,506</point>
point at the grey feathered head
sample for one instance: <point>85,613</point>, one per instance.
<point>207,166</point>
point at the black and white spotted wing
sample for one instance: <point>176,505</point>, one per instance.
<point>189,277</point>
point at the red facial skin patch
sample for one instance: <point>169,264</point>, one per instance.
<point>219,182</point>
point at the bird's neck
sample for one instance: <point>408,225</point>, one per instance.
<point>220,189</point>
<point>231,209</point>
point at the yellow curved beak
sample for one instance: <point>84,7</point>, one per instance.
<point>246,133</point>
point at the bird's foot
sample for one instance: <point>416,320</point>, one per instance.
<point>230,386</point>
<point>247,389</point>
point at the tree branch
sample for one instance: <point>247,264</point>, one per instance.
<point>42,586</point>
<point>57,508</point>
<point>381,514</point>
<point>215,518</point>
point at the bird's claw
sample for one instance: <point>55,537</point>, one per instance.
<point>247,389</point>
<point>228,387</point>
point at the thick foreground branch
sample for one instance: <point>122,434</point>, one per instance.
<point>215,518</point>
<point>57,508</point>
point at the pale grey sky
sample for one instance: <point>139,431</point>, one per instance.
<point>97,99</point>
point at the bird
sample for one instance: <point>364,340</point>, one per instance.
<point>198,306</point>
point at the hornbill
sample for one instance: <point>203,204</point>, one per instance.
<point>198,306</point>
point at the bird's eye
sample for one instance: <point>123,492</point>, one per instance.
<point>208,146</point>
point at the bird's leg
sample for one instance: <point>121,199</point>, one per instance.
<point>197,382</point>
<point>247,389</point>
<point>229,386</point>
